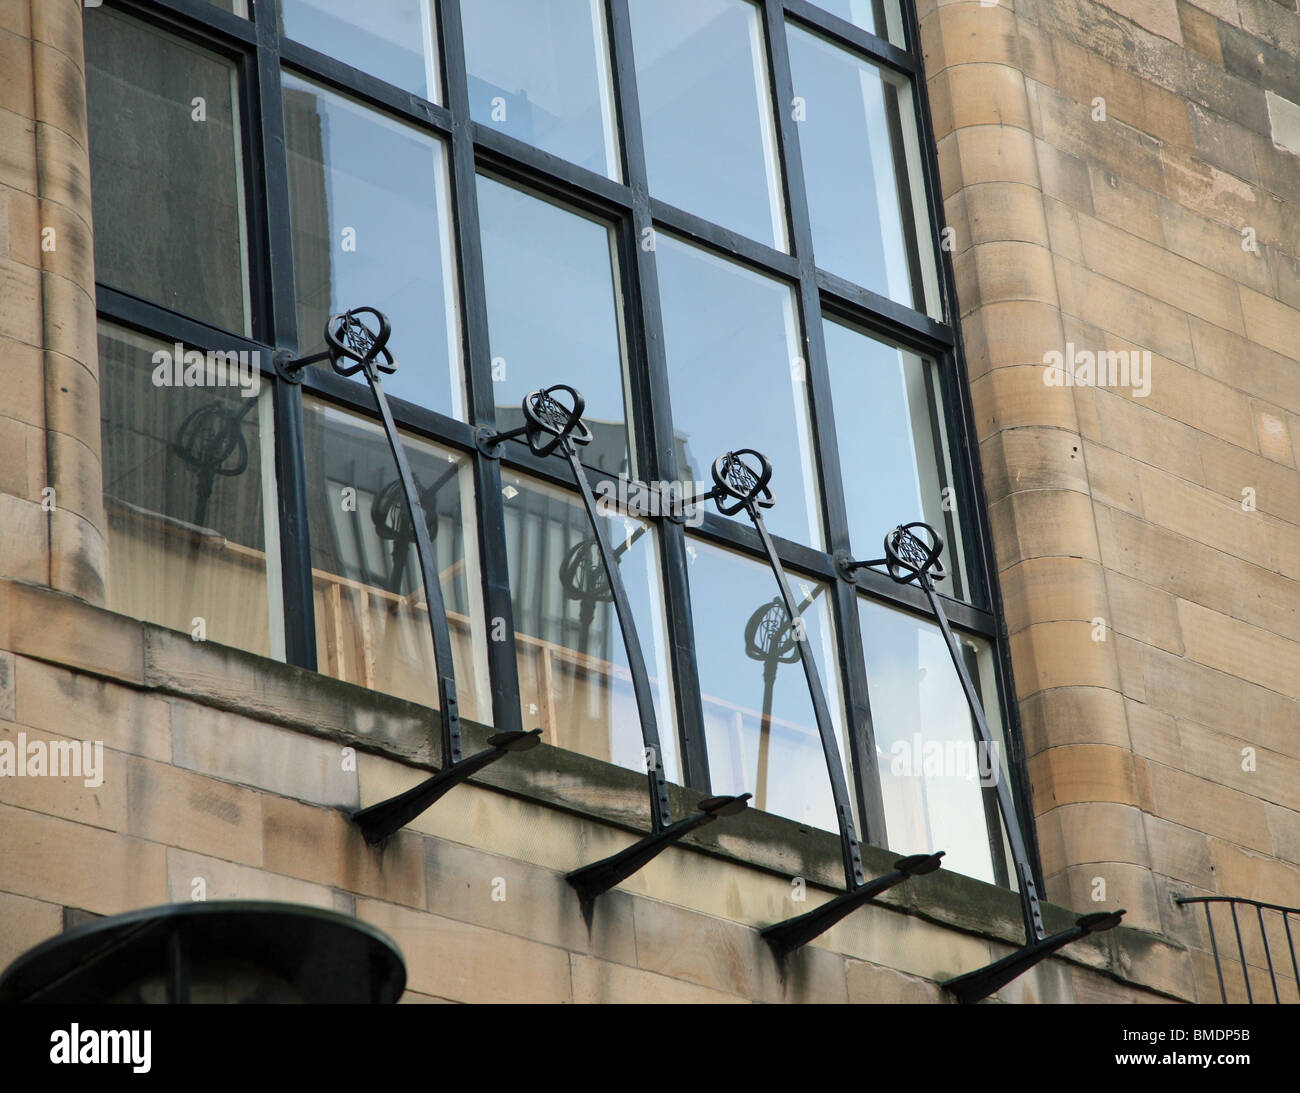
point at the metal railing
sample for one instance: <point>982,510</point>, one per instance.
<point>1282,913</point>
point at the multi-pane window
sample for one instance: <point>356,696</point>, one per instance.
<point>554,311</point>
<point>370,209</point>
<point>540,73</point>
<point>714,218</point>
<point>167,152</point>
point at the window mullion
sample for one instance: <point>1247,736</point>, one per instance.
<point>862,744</point>
<point>476,354</point>
<point>657,455</point>
<point>276,262</point>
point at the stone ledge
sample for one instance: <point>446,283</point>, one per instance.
<point>243,683</point>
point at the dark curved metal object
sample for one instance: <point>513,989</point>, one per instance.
<point>785,937</point>
<point>1233,903</point>
<point>351,339</point>
<point>553,422</point>
<point>912,556</point>
<point>742,482</point>
<point>978,984</point>
<point>160,954</point>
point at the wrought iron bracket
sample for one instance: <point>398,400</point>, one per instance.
<point>793,933</point>
<point>982,982</point>
<point>553,423</point>
<point>912,556</point>
<point>742,482</point>
<point>383,819</point>
<point>599,877</point>
<point>354,345</point>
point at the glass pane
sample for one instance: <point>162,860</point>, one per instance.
<point>892,445</point>
<point>235,7</point>
<point>555,312</point>
<point>372,620</point>
<point>370,208</point>
<point>930,768</point>
<point>706,111</point>
<point>165,143</point>
<point>539,72</point>
<point>574,681</point>
<point>189,491</point>
<point>737,378</point>
<point>758,715</point>
<point>881,17</point>
<point>854,123</point>
<point>396,40</point>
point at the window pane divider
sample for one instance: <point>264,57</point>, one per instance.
<point>844,33</point>
<point>656,450</point>
<point>476,354</point>
<point>363,87</point>
<point>864,772</point>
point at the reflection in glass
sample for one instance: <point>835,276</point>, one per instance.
<point>539,72</point>
<point>880,17</point>
<point>372,623</point>
<point>738,378</point>
<point>925,740</point>
<point>891,445</point>
<point>706,110</point>
<point>189,493</point>
<point>155,163</point>
<point>761,731</point>
<point>856,122</point>
<point>369,209</point>
<point>574,681</point>
<point>396,40</point>
<point>555,312</point>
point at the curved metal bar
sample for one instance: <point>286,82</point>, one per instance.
<point>911,559</point>
<point>551,425</point>
<point>978,984</point>
<point>349,338</point>
<point>660,810</point>
<point>850,850</point>
<point>444,666</point>
<point>739,484</point>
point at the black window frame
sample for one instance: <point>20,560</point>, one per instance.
<point>260,54</point>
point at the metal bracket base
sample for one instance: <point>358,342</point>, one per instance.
<point>793,933</point>
<point>982,982</point>
<point>599,877</point>
<point>380,820</point>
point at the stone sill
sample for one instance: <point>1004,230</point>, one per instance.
<point>60,629</point>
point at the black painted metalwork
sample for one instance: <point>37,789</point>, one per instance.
<point>261,52</point>
<point>353,346</point>
<point>553,422</point>
<point>912,556</point>
<point>1232,903</point>
<point>742,483</point>
<point>978,984</point>
<point>237,951</point>
<point>785,937</point>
